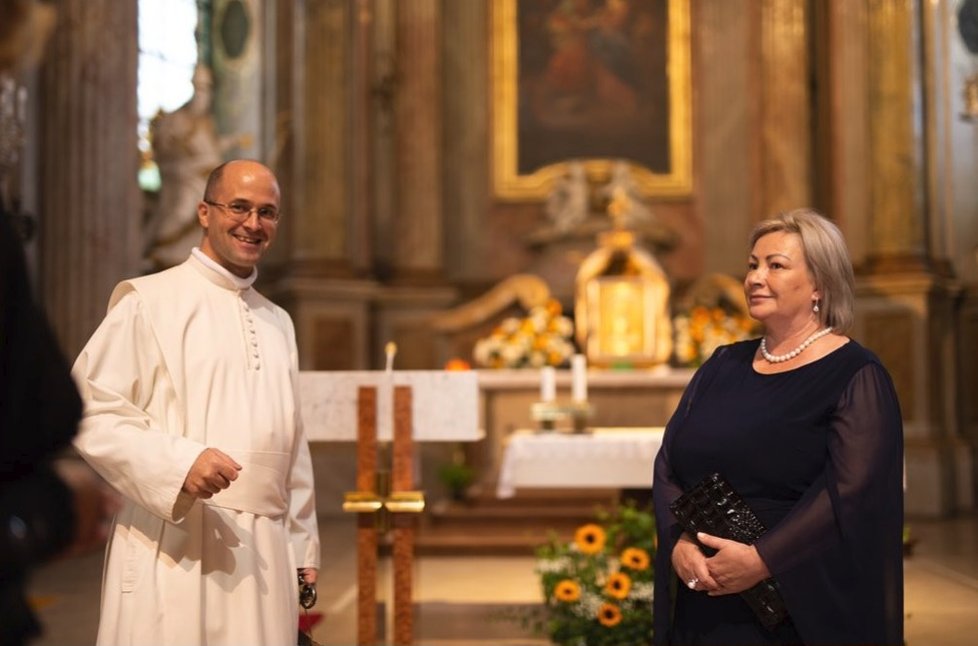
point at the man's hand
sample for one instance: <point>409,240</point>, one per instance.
<point>309,574</point>
<point>211,472</point>
<point>95,504</point>
<point>735,567</point>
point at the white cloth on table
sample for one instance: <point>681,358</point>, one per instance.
<point>602,458</point>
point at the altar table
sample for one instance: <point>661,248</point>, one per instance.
<point>613,458</point>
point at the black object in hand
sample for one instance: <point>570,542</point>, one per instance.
<point>714,507</point>
<point>307,592</point>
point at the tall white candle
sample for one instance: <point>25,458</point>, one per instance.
<point>548,384</point>
<point>579,378</point>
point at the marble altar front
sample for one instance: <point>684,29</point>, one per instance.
<point>632,398</point>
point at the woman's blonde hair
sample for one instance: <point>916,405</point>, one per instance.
<point>827,258</point>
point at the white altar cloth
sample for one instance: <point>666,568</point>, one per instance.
<point>604,458</point>
<point>445,404</point>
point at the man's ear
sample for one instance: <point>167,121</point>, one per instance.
<point>203,214</point>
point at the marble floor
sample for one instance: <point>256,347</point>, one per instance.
<point>463,600</point>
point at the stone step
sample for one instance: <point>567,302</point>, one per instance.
<point>485,525</point>
<point>446,512</point>
<point>486,497</point>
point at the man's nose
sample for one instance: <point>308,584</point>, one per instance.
<point>252,221</point>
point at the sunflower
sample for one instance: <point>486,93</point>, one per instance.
<point>590,538</point>
<point>567,591</point>
<point>618,585</point>
<point>609,615</point>
<point>635,558</point>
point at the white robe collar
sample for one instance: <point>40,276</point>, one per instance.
<point>218,275</point>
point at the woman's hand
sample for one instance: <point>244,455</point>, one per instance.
<point>690,565</point>
<point>735,567</point>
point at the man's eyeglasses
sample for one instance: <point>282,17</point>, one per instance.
<point>241,211</point>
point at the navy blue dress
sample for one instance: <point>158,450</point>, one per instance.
<point>817,452</point>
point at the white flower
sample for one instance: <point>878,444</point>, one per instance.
<point>641,590</point>
<point>588,604</point>
<point>542,338</point>
<point>509,326</point>
<point>553,565</point>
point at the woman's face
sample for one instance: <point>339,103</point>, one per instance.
<point>778,286</point>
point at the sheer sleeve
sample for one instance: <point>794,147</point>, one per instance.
<point>845,503</point>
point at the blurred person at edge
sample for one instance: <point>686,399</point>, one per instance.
<point>50,503</point>
<point>805,424</point>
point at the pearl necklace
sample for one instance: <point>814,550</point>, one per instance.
<point>779,358</point>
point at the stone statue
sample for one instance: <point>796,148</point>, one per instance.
<point>627,204</point>
<point>569,200</point>
<point>186,148</point>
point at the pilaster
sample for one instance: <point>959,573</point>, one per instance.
<point>417,252</point>
<point>908,320</point>
<point>785,107</point>
<point>90,209</point>
<point>908,297</point>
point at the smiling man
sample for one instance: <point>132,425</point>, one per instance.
<point>191,413</point>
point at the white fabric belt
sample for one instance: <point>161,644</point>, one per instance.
<point>261,485</point>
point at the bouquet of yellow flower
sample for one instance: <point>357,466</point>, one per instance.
<point>543,338</point>
<point>703,329</point>
<point>598,587</point>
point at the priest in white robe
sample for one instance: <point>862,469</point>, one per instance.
<point>191,412</point>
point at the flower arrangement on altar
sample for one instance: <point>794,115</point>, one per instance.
<point>703,329</point>
<point>543,338</point>
<point>598,587</point>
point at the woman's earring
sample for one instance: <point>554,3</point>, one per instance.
<point>815,307</point>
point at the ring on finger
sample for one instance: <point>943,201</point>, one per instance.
<point>692,583</point>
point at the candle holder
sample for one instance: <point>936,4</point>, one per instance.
<point>548,415</point>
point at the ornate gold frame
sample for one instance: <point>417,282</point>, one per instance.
<point>509,185</point>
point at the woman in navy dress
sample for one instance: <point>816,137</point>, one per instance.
<point>805,425</point>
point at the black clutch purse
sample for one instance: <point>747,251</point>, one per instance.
<point>713,507</point>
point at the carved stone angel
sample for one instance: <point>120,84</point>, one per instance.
<point>630,207</point>
<point>568,203</point>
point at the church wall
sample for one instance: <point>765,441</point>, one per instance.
<point>388,223</point>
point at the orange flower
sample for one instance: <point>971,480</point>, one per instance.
<point>635,558</point>
<point>567,591</point>
<point>457,364</point>
<point>590,538</point>
<point>609,615</point>
<point>618,585</point>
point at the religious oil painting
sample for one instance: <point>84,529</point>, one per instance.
<point>593,81</point>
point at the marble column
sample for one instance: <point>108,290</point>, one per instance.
<point>726,152</point>
<point>90,208</point>
<point>323,260</point>
<point>845,114</point>
<point>321,228</point>
<point>413,251</point>
<point>906,295</point>
<point>896,134</point>
<point>417,254</point>
<point>785,107</point>
<point>466,161</point>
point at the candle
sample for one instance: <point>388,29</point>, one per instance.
<point>548,384</point>
<point>579,378</point>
